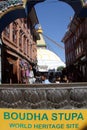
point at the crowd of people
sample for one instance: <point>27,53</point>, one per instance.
<point>33,77</point>
<point>47,78</point>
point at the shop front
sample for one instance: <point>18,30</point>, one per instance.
<point>9,68</point>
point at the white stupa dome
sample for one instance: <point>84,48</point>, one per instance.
<point>48,60</point>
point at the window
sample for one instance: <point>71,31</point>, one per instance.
<point>15,32</point>
<point>20,41</point>
<point>24,44</point>
<point>7,31</point>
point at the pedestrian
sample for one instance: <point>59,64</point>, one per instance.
<point>27,75</point>
<point>31,75</point>
<point>45,79</point>
<point>58,80</point>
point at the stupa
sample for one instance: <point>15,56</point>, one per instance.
<point>46,59</point>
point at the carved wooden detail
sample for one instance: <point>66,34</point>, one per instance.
<point>43,97</point>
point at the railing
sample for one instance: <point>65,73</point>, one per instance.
<point>39,96</point>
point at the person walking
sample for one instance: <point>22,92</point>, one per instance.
<point>31,75</point>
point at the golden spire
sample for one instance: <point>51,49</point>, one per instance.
<point>39,29</point>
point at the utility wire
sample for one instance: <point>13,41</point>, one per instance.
<point>53,41</point>
<point>52,49</point>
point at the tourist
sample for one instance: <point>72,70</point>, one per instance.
<point>31,75</point>
<point>45,79</point>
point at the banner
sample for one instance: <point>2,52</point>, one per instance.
<point>16,119</point>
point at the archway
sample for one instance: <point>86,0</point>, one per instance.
<point>21,9</point>
<point>10,10</point>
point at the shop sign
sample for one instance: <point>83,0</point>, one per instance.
<point>16,119</point>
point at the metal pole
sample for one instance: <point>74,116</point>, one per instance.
<point>0,60</point>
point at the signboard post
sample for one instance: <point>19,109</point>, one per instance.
<point>0,59</point>
<point>45,107</point>
<point>46,120</point>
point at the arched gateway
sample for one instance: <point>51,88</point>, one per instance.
<point>10,10</point>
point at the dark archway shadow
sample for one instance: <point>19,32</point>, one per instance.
<point>11,16</point>
<point>15,13</point>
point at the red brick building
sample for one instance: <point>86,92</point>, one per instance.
<point>19,49</point>
<point>75,41</point>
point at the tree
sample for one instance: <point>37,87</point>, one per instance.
<point>60,68</point>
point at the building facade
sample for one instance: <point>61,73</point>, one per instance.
<point>19,49</point>
<point>75,41</point>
